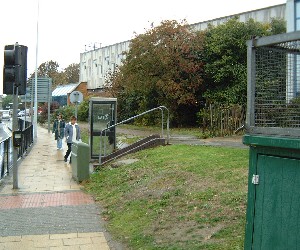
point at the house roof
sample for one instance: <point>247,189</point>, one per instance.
<point>64,90</point>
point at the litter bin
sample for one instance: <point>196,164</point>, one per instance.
<point>80,161</point>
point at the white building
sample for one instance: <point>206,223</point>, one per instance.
<point>293,15</point>
<point>95,64</point>
<point>293,70</point>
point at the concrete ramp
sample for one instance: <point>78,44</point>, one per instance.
<point>148,142</point>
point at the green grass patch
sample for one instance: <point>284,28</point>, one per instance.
<point>176,197</point>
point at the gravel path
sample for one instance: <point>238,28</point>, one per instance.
<point>228,141</point>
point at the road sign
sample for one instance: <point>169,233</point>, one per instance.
<point>76,97</point>
<point>44,93</point>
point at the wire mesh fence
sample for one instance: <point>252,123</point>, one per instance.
<point>274,94</point>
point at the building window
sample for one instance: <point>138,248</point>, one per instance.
<point>113,67</point>
<point>297,14</point>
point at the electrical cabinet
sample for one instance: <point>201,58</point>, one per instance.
<point>273,211</point>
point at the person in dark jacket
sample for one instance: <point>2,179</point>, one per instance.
<point>72,133</point>
<point>59,131</point>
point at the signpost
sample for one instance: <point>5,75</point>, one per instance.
<point>76,97</point>
<point>44,93</point>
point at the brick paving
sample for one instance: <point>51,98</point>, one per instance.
<point>49,210</point>
<point>45,200</point>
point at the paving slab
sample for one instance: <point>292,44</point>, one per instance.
<point>49,209</point>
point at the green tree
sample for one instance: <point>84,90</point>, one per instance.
<point>51,69</point>
<point>162,67</point>
<point>59,77</point>
<point>42,118</point>
<point>66,112</point>
<point>83,111</point>
<point>48,69</point>
<point>277,26</point>
<point>6,101</point>
<point>72,73</point>
<point>226,58</point>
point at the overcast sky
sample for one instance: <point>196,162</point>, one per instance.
<point>66,26</point>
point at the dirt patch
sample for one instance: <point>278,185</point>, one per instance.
<point>156,186</point>
<point>169,187</point>
<point>183,232</point>
<point>123,162</point>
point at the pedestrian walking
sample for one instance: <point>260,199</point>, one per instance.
<point>59,131</point>
<point>72,133</point>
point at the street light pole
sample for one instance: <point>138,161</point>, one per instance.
<point>15,128</point>
<point>35,74</point>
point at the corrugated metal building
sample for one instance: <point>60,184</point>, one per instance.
<point>61,93</point>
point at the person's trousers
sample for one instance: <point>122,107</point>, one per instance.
<point>59,143</point>
<point>68,151</point>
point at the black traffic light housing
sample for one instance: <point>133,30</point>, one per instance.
<point>15,69</point>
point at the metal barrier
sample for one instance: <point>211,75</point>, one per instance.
<point>161,108</point>
<point>6,147</point>
<point>6,159</point>
<point>27,140</point>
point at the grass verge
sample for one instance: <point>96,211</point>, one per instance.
<point>176,197</point>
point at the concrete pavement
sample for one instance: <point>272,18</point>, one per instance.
<point>48,210</point>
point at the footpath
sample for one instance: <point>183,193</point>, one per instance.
<point>48,210</point>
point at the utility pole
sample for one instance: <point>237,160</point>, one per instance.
<point>14,83</point>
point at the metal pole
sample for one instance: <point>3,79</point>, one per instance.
<point>76,106</point>
<point>168,127</point>
<point>49,107</point>
<point>31,102</point>
<point>168,131</point>
<point>100,146</point>
<point>250,118</point>
<point>15,149</point>
<point>25,105</point>
<point>35,75</point>
<point>49,101</point>
<point>162,123</point>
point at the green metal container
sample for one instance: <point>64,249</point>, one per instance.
<point>273,220</point>
<point>80,161</point>
<point>273,135</point>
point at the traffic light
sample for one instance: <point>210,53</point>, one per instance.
<point>15,69</point>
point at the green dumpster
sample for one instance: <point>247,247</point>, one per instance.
<point>80,161</point>
<point>273,136</point>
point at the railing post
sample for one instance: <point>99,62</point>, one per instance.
<point>129,119</point>
<point>8,147</point>
<point>162,123</point>
<point>168,127</point>
<point>100,147</point>
<point>104,153</point>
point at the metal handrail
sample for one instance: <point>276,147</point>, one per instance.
<point>161,108</point>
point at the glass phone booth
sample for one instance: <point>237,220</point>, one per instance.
<point>103,113</point>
